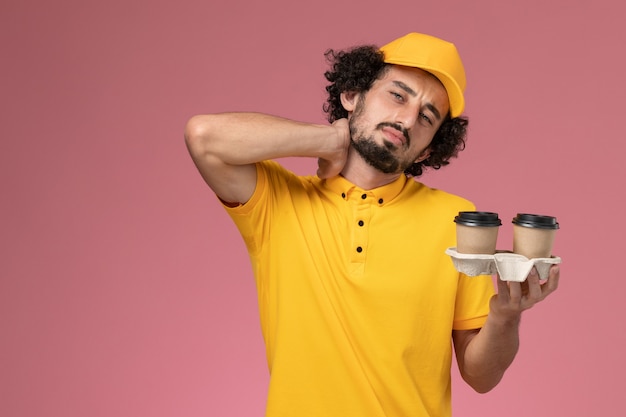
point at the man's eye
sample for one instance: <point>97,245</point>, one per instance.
<point>397,96</point>
<point>426,118</point>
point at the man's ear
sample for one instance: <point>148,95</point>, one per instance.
<point>423,155</point>
<point>349,100</point>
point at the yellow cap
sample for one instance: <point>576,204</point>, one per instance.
<point>434,55</point>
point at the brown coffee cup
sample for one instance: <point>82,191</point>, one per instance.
<point>477,232</point>
<point>533,235</point>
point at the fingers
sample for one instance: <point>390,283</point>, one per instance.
<point>321,167</point>
<point>503,287</point>
<point>334,156</point>
<point>539,290</point>
<point>523,295</point>
<point>326,169</point>
<point>553,281</point>
<point>534,286</point>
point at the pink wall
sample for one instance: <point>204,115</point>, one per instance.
<point>125,290</point>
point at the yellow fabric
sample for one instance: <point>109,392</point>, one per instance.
<point>349,333</point>
<point>436,56</point>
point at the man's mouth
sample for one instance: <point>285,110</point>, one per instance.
<point>395,134</point>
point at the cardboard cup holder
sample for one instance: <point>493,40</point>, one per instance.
<point>510,266</point>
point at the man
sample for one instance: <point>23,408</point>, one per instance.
<point>358,300</point>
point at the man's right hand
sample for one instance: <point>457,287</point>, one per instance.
<point>332,165</point>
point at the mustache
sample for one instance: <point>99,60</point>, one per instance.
<point>398,127</point>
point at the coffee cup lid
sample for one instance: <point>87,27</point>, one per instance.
<point>478,218</point>
<point>535,220</point>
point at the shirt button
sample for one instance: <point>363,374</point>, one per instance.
<point>343,195</point>
<point>361,222</point>
<point>364,196</point>
<point>359,249</point>
<point>380,201</point>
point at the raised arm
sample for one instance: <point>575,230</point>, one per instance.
<point>225,148</point>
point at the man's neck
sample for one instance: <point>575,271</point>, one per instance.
<point>363,175</point>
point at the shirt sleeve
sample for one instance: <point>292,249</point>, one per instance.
<point>472,302</point>
<point>253,218</point>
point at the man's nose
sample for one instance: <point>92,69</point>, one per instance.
<point>407,116</point>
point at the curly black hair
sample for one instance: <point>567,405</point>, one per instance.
<point>355,70</point>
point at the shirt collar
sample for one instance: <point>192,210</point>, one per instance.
<point>383,195</point>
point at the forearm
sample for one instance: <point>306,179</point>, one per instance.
<point>484,356</point>
<point>490,352</point>
<point>246,138</point>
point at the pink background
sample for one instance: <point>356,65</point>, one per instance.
<point>126,291</point>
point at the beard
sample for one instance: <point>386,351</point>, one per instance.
<point>377,156</point>
<point>381,157</point>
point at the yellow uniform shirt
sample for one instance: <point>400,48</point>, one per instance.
<point>357,298</point>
